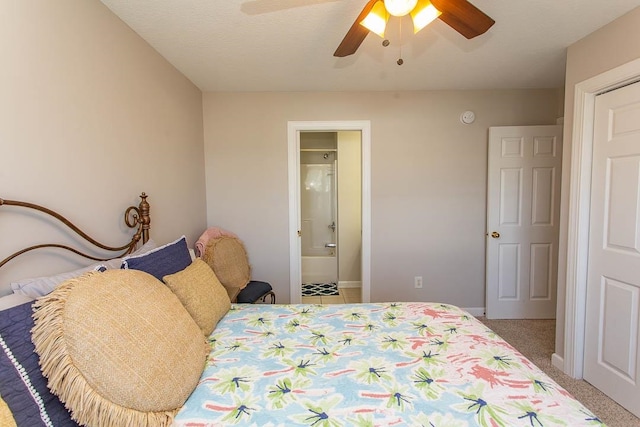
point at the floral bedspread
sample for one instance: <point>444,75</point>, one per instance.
<point>392,364</point>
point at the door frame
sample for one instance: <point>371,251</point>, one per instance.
<point>295,251</point>
<point>581,147</point>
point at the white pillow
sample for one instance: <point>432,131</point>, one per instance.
<point>38,286</point>
<point>13,300</point>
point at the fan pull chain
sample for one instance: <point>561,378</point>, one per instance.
<point>400,61</point>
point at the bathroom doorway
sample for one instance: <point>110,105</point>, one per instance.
<point>319,211</point>
<point>329,211</point>
<point>330,216</point>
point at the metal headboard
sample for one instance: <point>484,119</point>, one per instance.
<point>134,217</point>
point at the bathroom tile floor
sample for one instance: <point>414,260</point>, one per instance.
<point>346,296</point>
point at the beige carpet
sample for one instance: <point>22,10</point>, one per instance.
<point>536,340</point>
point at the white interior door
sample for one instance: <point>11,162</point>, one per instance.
<point>523,210</point>
<point>612,356</point>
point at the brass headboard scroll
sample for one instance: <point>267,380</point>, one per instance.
<point>134,217</point>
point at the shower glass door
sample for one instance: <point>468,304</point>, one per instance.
<point>318,216</point>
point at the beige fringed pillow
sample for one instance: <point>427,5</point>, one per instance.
<point>6,417</point>
<point>201,293</point>
<point>118,348</point>
<point>228,259</point>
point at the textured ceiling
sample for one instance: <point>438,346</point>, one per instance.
<point>288,45</point>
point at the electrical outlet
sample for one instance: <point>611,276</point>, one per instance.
<point>417,282</point>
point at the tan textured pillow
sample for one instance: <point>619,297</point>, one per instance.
<point>201,293</point>
<point>6,417</point>
<point>118,348</point>
<point>228,259</point>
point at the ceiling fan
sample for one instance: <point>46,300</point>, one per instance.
<point>460,15</point>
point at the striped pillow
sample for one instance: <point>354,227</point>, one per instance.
<point>22,385</point>
<point>159,262</point>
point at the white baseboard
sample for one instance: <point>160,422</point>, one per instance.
<point>475,311</point>
<point>347,284</point>
<point>557,361</point>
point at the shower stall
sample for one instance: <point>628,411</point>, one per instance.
<point>318,197</point>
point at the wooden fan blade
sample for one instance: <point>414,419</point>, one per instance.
<point>463,17</point>
<point>356,34</point>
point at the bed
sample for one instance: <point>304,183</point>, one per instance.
<point>376,364</point>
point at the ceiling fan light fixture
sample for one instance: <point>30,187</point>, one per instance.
<point>376,20</point>
<point>423,14</point>
<point>400,7</point>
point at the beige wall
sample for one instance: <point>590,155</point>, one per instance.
<point>90,116</point>
<point>428,180</point>
<point>349,207</point>
<point>614,44</point>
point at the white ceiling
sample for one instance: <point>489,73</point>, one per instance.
<point>288,45</point>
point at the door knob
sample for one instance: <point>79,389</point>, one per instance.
<point>495,235</point>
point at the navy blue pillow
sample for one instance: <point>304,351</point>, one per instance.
<point>22,385</point>
<point>159,262</point>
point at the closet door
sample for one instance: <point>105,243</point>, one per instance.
<point>612,358</point>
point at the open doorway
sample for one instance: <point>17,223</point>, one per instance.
<point>329,217</point>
